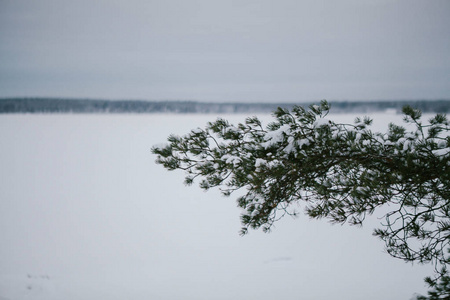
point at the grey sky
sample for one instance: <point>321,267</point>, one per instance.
<point>208,50</point>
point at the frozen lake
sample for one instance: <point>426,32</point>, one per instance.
<point>85,213</point>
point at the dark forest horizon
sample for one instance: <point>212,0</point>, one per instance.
<point>83,105</point>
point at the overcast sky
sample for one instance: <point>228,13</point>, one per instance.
<point>228,50</point>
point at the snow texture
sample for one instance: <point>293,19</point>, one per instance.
<point>85,213</point>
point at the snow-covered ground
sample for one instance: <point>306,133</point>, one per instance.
<point>85,213</point>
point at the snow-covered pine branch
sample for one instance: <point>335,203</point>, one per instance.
<point>341,172</point>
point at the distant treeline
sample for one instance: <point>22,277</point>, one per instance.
<point>54,105</point>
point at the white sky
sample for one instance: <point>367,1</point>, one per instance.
<point>210,50</point>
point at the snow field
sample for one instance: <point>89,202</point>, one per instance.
<point>85,213</point>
